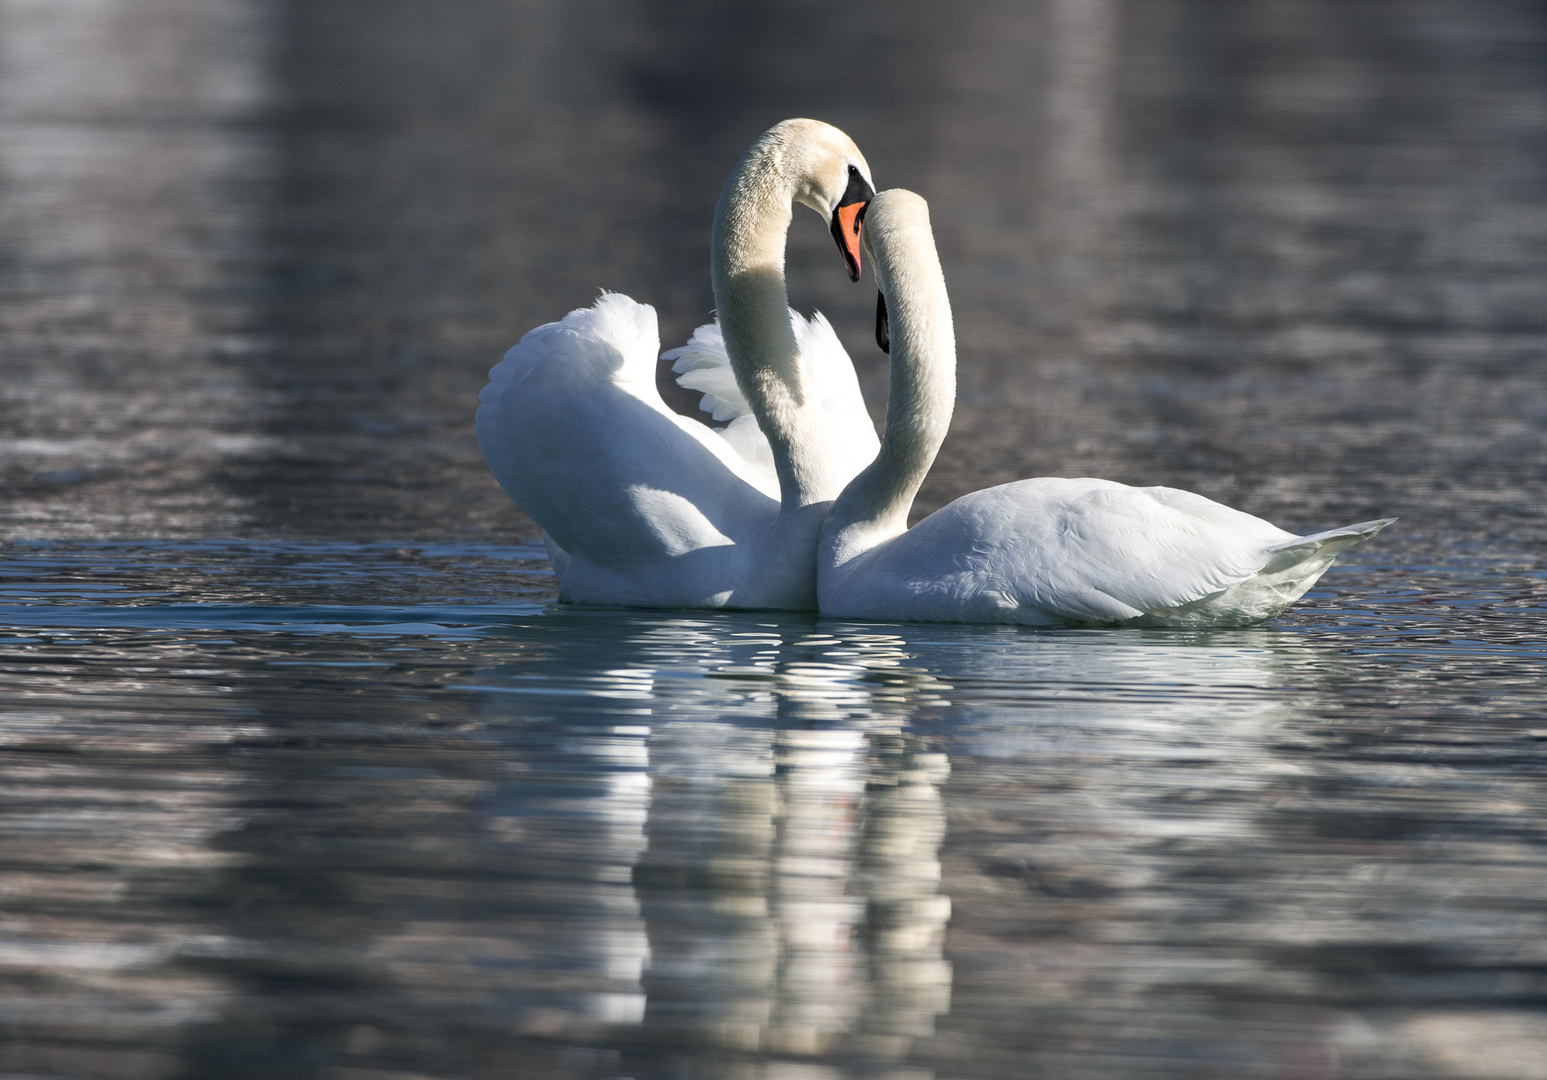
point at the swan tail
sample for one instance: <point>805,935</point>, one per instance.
<point>1293,566</point>
<point>1320,546</point>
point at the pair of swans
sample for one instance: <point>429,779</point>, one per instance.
<point>796,504</point>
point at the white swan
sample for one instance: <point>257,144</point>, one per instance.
<point>642,507</point>
<point>1038,552</point>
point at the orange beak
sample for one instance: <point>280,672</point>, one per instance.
<point>846,225</point>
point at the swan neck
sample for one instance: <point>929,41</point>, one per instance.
<point>875,505</point>
<point>747,267</point>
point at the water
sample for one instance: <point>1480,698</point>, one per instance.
<point>303,773</point>
<point>262,821</point>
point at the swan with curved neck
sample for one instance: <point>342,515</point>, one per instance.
<point>1043,552</point>
<point>797,161</point>
<point>642,507</point>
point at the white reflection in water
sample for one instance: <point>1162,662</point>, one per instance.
<point>591,831</point>
<point>785,850</point>
<point>786,872</point>
<point>791,888</point>
<point>709,845</point>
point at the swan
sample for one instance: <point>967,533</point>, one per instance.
<point>641,507</point>
<point>1043,552</point>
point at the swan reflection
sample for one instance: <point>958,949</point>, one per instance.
<point>763,805</point>
<point>791,888</point>
<point>781,833</point>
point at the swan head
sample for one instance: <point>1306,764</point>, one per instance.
<point>830,176</point>
<point>899,234</point>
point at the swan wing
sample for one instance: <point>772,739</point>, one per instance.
<point>1054,550</point>
<point>574,430</point>
<point>834,388</point>
<point>704,366</point>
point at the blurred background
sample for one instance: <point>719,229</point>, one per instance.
<point>259,255</point>
<point>302,774</point>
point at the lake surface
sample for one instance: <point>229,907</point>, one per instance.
<point>303,773</point>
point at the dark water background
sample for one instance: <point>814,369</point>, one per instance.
<point>302,775</point>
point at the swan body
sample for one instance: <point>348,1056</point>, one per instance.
<point>1044,552</point>
<point>641,507</point>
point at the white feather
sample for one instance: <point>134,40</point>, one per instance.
<point>703,365</point>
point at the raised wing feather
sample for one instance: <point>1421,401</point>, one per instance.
<point>828,373</point>
<point>703,365</point>
<point>574,430</point>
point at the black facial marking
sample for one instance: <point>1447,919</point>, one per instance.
<point>883,325</point>
<point>859,190</point>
